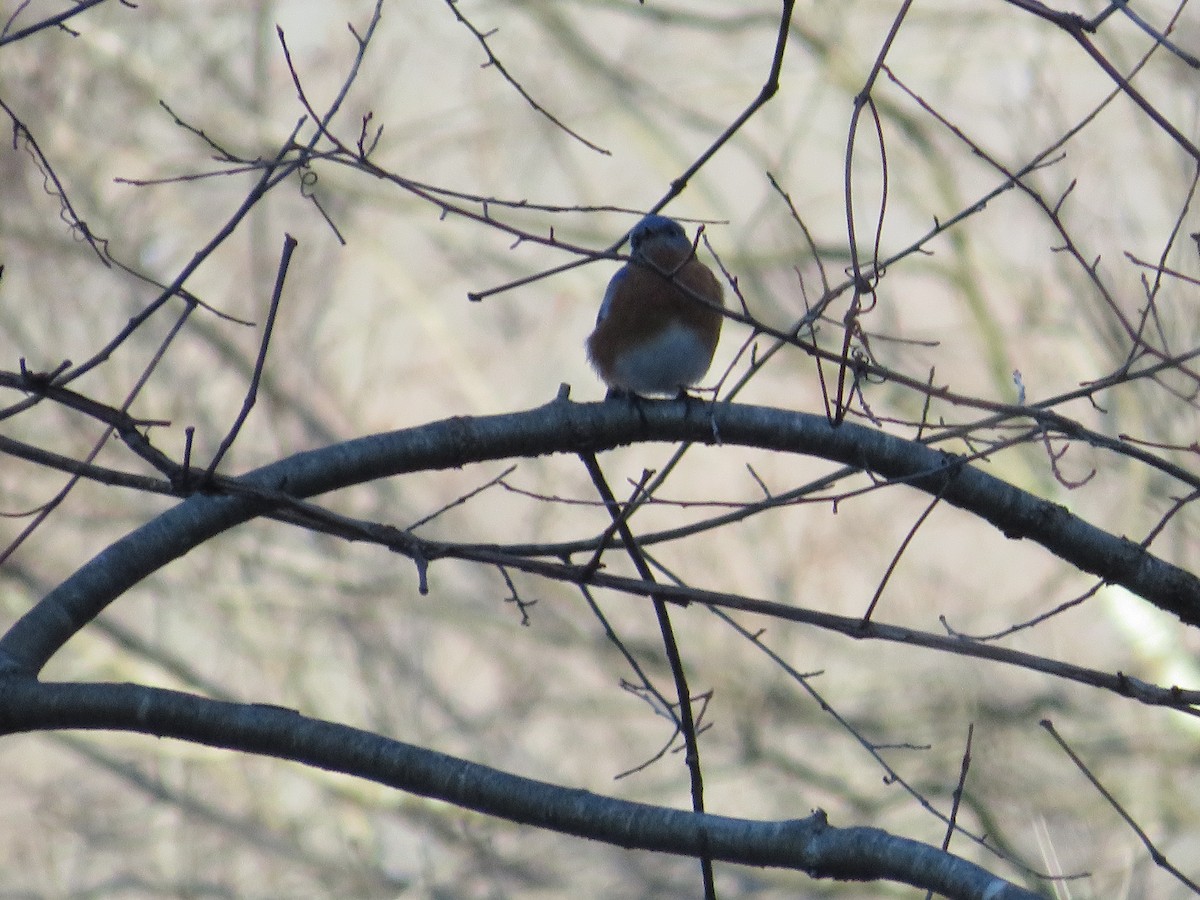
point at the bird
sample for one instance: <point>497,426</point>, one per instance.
<point>654,336</point>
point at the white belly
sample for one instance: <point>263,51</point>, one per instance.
<point>668,362</point>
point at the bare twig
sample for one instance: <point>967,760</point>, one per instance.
<point>289,245</point>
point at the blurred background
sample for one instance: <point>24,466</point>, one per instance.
<point>377,333</point>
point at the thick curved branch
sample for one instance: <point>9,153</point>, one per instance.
<point>565,427</point>
<point>810,845</point>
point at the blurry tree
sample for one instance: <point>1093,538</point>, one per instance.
<point>905,598</point>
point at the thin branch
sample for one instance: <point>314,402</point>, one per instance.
<point>52,184</point>
<point>956,800</point>
<point>1160,859</point>
<point>769,89</point>
<point>7,37</point>
<point>912,532</point>
<point>101,442</point>
<point>494,62</point>
<point>289,245</point>
<point>687,723</point>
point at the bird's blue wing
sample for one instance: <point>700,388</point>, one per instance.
<point>613,284</point>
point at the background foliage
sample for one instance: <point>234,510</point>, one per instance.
<point>1078,272</point>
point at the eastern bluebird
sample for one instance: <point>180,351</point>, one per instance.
<point>653,336</point>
